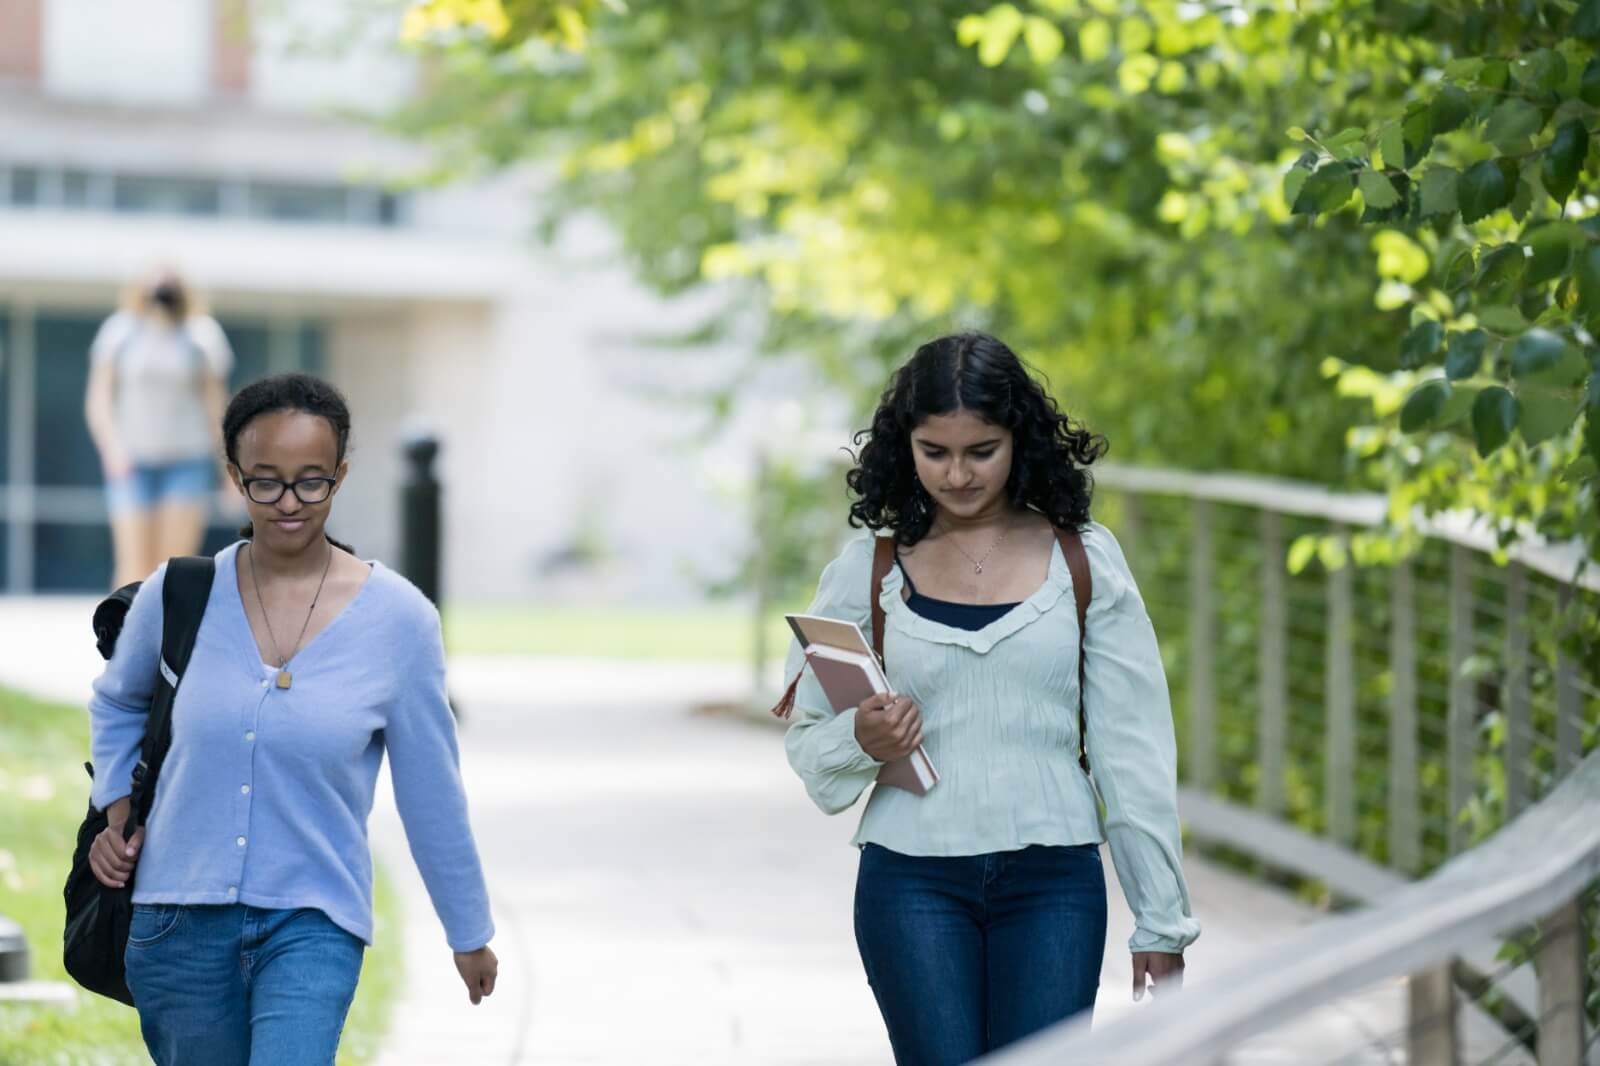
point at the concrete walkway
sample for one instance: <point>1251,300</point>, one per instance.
<point>668,894</point>
<point>664,890</point>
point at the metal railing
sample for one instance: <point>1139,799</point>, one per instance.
<point>1360,719</point>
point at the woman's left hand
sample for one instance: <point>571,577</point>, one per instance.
<point>478,970</point>
<point>1163,970</point>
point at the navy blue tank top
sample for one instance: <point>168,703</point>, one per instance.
<point>968,616</point>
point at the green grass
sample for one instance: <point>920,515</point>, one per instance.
<point>722,634</point>
<point>43,792</point>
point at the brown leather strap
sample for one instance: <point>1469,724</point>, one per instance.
<point>882,560</point>
<point>1082,589</point>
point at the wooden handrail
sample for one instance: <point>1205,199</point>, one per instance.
<point>1566,562</point>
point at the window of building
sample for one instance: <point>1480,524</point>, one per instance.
<point>389,208</point>
<point>63,454</point>
<point>75,189</point>
<point>169,194</point>
<point>312,353</point>
<point>71,557</point>
<point>166,196</point>
<point>7,364</point>
<point>300,203</point>
<point>24,186</point>
<point>251,343</point>
<point>5,411</point>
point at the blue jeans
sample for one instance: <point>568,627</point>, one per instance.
<point>240,986</point>
<point>968,954</point>
<point>148,486</point>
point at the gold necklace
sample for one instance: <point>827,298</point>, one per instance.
<point>285,678</point>
<point>977,564</point>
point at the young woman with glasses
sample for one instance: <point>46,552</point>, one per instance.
<point>980,908</point>
<point>253,877</point>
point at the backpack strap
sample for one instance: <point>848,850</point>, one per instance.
<point>882,560</point>
<point>1082,589</point>
<point>183,604</point>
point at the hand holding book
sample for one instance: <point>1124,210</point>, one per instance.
<point>888,727</point>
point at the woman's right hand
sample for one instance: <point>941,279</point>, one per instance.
<point>115,462</point>
<point>111,858</point>
<point>888,727</point>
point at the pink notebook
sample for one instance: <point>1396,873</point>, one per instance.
<point>849,672</point>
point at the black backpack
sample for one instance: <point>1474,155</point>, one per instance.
<point>97,916</point>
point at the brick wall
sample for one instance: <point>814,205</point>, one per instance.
<point>230,47</point>
<point>21,37</point>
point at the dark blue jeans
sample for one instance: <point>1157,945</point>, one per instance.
<point>968,954</point>
<point>240,986</point>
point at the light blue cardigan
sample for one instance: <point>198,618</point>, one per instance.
<point>264,797</point>
<point>1000,719</point>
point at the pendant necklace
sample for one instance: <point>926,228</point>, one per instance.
<point>285,678</point>
<point>977,564</point>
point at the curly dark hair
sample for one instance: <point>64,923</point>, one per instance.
<point>286,392</point>
<point>978,373</point>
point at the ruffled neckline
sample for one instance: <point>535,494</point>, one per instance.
<point>1057,581</point>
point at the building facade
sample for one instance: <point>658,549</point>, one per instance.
<point>203,133</point>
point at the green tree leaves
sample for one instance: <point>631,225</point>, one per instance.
<point>1565,159</point>
<point>1420,344</point>
<point>1591,429</point>
<point>996,32</point>
<point>1494,416</point>
<point>1512,123</point>
<point>1494,155</point>
<point>1541,71</point>
<point>1377,190</point>
<point>1588,279</point>
<point>1483,189</point>
<point>1325,191</point>
<point>1541,356</point>
<point>1589,86</point>
<point>1424,405</point>
<point>1551,247</point>
<point>1439,191</point>
<point>1465,357</point>
<point>1105,185</point>
<point>1586,23</point>
<point>1450,107</point>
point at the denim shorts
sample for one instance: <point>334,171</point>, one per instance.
<point>148,486</point>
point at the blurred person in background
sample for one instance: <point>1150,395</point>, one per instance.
<point>157,387</point>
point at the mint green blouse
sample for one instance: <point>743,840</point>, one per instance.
<point>1000,721</point>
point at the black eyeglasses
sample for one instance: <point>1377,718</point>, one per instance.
<point>271,490</point>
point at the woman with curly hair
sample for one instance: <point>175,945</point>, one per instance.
<point>980,908</point>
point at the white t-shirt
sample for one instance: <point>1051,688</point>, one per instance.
<point>159,383</point>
